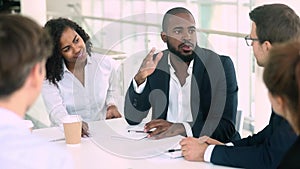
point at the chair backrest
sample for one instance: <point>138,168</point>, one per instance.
<point>239,121</point>
<point>38,114</point>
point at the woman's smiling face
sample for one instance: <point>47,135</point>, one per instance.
<point>73,48</point>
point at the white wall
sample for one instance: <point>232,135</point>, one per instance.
<point>63,7</point>
<point>35,10</point>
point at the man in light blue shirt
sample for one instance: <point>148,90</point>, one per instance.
<point>25,47</point>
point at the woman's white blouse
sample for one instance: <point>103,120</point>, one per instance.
<point>89,101</point>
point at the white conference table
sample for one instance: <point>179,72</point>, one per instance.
<point>94,153</point>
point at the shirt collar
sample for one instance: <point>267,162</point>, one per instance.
<point>65,69</point>
<point>190,68</point>
<point>9,117</point>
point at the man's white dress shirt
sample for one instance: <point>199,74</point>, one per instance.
<point>179,108</point>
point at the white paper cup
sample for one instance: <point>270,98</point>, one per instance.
<point>72,129</point>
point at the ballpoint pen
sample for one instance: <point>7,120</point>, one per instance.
<point>173,150</point>
<point>55,140</point>
<point>138,131</point>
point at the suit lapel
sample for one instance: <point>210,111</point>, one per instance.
<point>197,80</point>
<point>160,80</point>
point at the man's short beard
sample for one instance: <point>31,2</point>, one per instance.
<point>184,58</point>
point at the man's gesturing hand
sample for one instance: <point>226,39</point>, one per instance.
<point>148,66</point>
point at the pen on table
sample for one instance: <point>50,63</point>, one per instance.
<point>173,150</point>
<point>138,131</point>
<point>60,139</point>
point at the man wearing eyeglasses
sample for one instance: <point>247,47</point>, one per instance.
<point>274,23</point>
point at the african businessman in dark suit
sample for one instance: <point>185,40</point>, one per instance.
<point>212,98</point>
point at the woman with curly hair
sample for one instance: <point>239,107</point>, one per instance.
<point>78,81</point>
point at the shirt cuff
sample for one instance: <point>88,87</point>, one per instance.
<point>229,144</point>
<point>208,152</point>
<point>110,104</point>
<point>110,101</point>
<point>139,89</point>
<point>188,129</point>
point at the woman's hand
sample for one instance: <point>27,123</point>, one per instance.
<point>112,112</point>
<point>85,130</point>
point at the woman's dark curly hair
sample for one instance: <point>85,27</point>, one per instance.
<point>54,64</point>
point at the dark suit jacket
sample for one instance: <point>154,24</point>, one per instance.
<point>291,159</point>
<point>263,150</point>
<point>213,96</point>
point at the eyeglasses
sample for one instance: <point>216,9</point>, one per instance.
<point>250,40</point>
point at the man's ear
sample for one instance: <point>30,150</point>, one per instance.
<point>163,36</point>
<point>267,46</point>
<point>36,74</point>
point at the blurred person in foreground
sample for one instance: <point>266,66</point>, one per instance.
<point>25,46</point>
<point>282,78</point>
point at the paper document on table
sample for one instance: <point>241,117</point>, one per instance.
<point>113,136</point>
<point>133,132</point>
